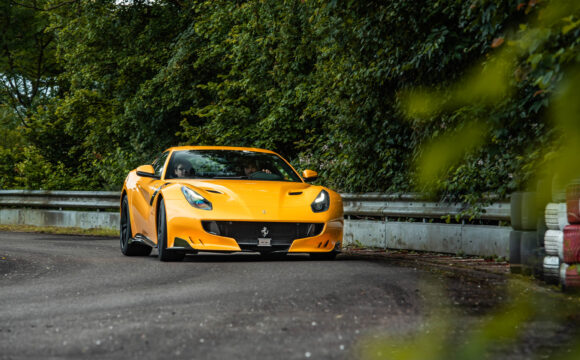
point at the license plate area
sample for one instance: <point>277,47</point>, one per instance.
<point>264,242</point>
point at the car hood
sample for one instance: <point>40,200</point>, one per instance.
<point>253,199</point>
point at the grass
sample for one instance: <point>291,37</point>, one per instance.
<point>59,230</point>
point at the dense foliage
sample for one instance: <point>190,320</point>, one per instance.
<point>328,84</point>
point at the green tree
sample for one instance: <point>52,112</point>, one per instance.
<point>367,93</point>
<point>28,67</point>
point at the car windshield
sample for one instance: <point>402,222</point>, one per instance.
<point>229,164</point>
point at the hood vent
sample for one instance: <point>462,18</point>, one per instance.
<point>295,193</point>
<point>213,191</point>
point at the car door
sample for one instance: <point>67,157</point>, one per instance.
<point>147,189</point>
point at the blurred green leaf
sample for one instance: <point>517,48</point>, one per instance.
<point>447,150</point>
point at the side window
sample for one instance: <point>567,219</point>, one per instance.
<point>159,162</point>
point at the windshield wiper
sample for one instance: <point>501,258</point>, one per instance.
<point>230,177</point>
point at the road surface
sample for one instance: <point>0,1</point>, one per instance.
<point>78,297</point>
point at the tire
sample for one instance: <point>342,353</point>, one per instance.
<point>563,268</point>
<point>555,216</point>
<point>573,203</point>
<point>544,192</point>
<point>542,228</point>
<point>551,269</point>
<point>515,241</point>
<point>516,210</point>
<point>538,269</point>
<point>572,244</point>
<point>558,189</point>
<point>164,254</point>
<point>529,251</point>
<point>570,276</point>
<point>529,211</point>
<point>523,210</point>
<point>125,234</point>
<point>323,256</point>
<point>554,243</point>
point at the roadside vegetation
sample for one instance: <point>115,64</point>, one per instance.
<point>457,98</point>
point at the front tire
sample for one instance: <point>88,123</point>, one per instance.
<point>126,233</point>
<point>164,254</point>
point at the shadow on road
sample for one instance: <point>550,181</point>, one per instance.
<point>242,257</point>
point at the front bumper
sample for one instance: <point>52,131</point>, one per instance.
<point>282,238</point>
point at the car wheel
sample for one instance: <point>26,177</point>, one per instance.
<point>323,256</point>
<point>164,254</point>
<point>127,248</point>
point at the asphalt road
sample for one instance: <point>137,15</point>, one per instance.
<point>79,297</point>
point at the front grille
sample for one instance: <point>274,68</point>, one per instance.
<point>246,233</point>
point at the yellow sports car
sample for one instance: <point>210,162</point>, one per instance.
<point>227,199</point>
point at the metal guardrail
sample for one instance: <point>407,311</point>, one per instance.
<point>414,206</point>
<point>60,199</point>
<point>61,209</point>
<point>370,204</point>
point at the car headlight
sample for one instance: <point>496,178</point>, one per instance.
<point>321,203</point>
<point>195,200</point>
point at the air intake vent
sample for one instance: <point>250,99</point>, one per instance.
<point>246,231</point>
<point>295,193</point>
<point>213,191</point>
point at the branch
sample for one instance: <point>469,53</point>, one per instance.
<point>14,102</point>
<point>34,7</point>
<point>13,86</point>
<point>42,46</point>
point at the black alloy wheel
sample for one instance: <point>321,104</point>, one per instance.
<point>127,247</point>
<point>164,254</point>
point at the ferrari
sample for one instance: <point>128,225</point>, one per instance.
<point>194,199</point>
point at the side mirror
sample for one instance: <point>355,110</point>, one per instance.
<point>146,171</point>
<point>309,175</point>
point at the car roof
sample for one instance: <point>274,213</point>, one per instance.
<point>237,148</point>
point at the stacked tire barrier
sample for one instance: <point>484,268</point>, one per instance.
<point>526,246</point>
<point>553,254</point>
<point>556,220</point>
<point>569,269</point>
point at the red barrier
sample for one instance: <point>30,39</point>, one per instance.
<point>572,276</point>
<point>572,244</point>
<point>573,203</point>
